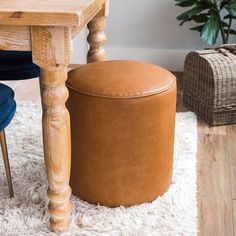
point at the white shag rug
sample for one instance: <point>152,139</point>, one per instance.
<point>173,214</point>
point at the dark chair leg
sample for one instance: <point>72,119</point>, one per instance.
<point>6,162</point>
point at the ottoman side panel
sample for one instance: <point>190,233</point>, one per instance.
<point>122,149</point>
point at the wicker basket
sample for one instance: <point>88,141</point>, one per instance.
<point>210,84</point>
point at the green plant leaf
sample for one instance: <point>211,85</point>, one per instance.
<point>227,16</point>
<point>232,32</point>
<point>208,3</point>
<point>211,16</point>
<point>201,18</point>
<point>231,8</point>
<point>224,3</point>
<point>197,28</point>
<point>185,3</point>
<point>211,29</point>
<point>188,15</point>
<point>224,24</point>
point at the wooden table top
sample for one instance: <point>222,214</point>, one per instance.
<point>47,12</point>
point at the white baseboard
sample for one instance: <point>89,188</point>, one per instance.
<point>170,59</point>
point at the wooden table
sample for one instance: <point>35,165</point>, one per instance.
<point>47,27</point>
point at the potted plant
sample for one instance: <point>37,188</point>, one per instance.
<point>213,17</point>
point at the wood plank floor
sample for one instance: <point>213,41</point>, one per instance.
<point>216,167</point>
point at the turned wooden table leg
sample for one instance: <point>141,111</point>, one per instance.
<point>56,136</point>
<point>97,37</point>
<point>51,51</point>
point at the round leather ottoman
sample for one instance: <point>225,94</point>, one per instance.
<point>122,124</point>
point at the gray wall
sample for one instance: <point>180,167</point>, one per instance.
<point>146,30</point>
<point>80,48</point>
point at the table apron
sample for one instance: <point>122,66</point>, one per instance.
<point>15,38</point>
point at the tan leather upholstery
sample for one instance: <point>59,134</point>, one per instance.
<point>122,122</point>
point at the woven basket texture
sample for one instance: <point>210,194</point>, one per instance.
<point>210,85</point>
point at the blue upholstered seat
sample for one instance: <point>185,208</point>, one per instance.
<point>7,106</point>
<point>15,65</point>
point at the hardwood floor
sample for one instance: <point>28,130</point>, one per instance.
<point>216,167</point>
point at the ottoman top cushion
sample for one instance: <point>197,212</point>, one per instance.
<point>120,79</point>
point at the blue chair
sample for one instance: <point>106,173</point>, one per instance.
<point>14,65</point>
<point>7,111</point>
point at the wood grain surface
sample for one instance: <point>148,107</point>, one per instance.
<point>45,12</point>
<point>216,155</point>
<point>51,51</point>
<point>97,37</point>
<point>12,38</point>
